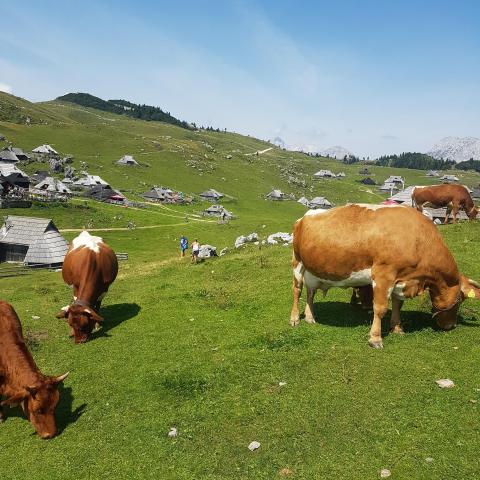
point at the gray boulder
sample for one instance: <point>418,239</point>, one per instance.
<point>242,239</point>
<point>207,251</point>
<point>280,237</point>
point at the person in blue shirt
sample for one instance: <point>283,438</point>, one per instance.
<point>183,245</point>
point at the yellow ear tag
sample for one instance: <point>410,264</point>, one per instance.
<point>471,293</point>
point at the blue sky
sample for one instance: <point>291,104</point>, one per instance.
<point>373,76</point>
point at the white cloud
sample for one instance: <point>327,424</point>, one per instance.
<point>4,87</point>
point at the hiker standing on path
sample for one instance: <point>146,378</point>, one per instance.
<point>183,245</point>
<point>195,251</point>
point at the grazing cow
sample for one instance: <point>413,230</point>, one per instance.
<point>21,382</point>
<point>395,249</point>
<point>454,197</point>
<point>90,267</point>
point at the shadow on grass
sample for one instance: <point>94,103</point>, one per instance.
<point>113,316</point>
<point>64,415</point>
<point>340,314</point>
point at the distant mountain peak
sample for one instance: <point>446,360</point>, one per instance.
<point>459,149</point>
<point>336,151</point>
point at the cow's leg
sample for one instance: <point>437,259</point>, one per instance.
<point>297,292</point>
<point>395,324</point>
<point>2,416</point>
<point>309,315</point>
<point>447,215</point>
<point>455,210</point>
<point>380,307</point>
<point>354,299</point>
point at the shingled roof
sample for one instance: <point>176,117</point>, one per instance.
<point>46,245</point>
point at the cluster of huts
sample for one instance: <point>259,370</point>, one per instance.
<point>16,184</point>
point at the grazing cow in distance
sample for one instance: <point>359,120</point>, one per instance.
<point>21,382</point>
<point>90,267</point>
<point>454,197</point>
<point>362,296</point>
<point>395,249</point>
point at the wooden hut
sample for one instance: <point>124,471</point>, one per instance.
<point>211,195</point>
<point>32,241</point>
<point>276,195</point>
<point>127,160</point>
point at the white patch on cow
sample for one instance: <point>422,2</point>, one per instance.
<point>397,291</point>
<point>298,272</point>
<point>74,298</point>
<point>356,279</point>
<point>369,206</point>
<point>65,309</point>
<point>88,241</point>
<point>318,211</point>
<point>373,284</point>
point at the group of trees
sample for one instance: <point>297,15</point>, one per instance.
<point>415,160</point>
<point>469,165</point>
<point>123,107</point>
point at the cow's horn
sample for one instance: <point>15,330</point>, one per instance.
<point>61,378</point>
<point>474,283</point>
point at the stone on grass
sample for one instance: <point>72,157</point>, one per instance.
<point>282,384</point>
<point>385,473</point>
<point>207,251</point>
<point>173,432</point>
<point>429,459</point>
<point>279,237</point>
<point>445,383</point>
<point>242,239</point>
<point>35,317</point>
<point>253,446</point>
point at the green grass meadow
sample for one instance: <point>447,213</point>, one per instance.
<point>204,347</point>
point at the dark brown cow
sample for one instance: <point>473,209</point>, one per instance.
<point>454,197</point>
<point>90,267</point>
<point>21,382</point>
<point>395,249</point>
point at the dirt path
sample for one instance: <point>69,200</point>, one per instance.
<point>120,229</point>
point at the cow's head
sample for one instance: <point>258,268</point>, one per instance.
<point>81,319</point>
<point>447,319</point>
<point>472,214</point>
<point>39,402</point>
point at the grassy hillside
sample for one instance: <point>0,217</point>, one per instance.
<point>203,348</point>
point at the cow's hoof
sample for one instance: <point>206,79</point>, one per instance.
<point>294,322</point>
<point>375,343</point>
<point>398,330</point>
<point>311,321</point>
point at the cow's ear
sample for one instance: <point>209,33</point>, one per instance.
<point>63,313</point>
<point>59,379</point>
<point>94,315</point>
<point>470,288</point>
<point>15,399</point>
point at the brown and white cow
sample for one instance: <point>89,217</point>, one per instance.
<point>21,382</point>
<point>90,267</point>
<point>395,249</point>
<point>454,197</point>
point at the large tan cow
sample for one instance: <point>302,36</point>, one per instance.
<point>21,382</point>
<point>454,197</point>
<point>395,249</point>
<point>90,267</point>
